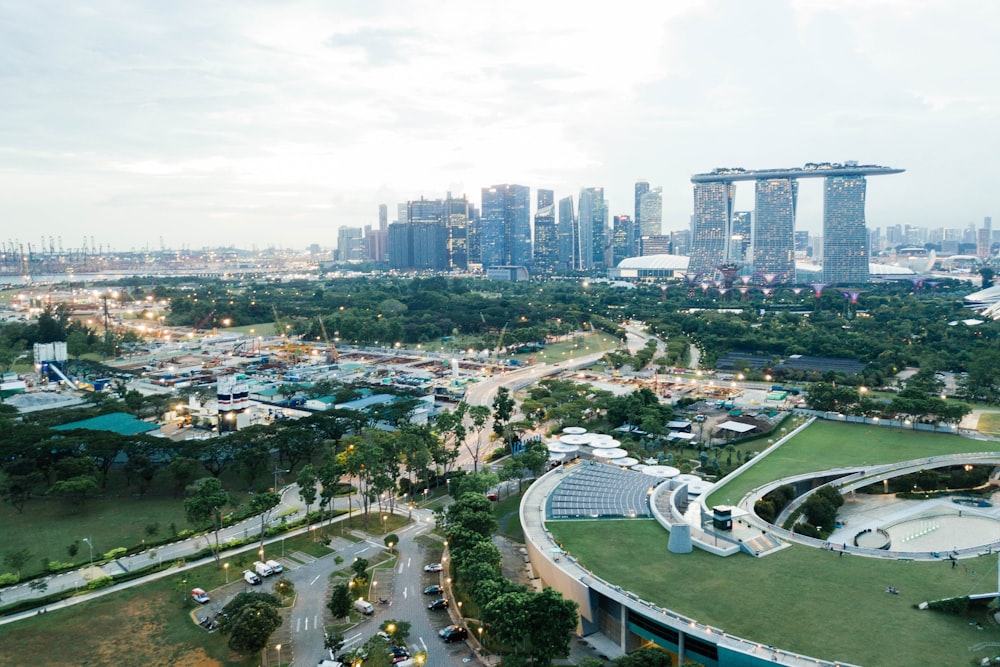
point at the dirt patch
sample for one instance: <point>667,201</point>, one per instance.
<point>512,562</point>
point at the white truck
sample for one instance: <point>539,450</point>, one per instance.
<point>263,569</point>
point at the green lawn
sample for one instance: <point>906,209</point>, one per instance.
<point>147,625</point>
<point>805,599</point>
<point>47,527</point>
<point>799,599</point>
<point>827,445</point>
<point>582,345</point>
<point>506,511</point>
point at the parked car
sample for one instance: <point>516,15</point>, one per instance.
<point>440,603</point>
<point>250,578</point>
<point>200,596</point>
<point>275,566</point>
<point>433,590</point>
<point>433,567</point>
<point>453,633</point>
<point>262,569</point>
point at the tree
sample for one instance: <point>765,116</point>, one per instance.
<point>334,640</point>
<point>551,622</point>
<point>76,489</point>
<point>183,470</point>
<point>479,415</point>
<point>306,481</point>
<point>472,511</point>
<point>340,601</point>
<point>391,540</point>
<point>262,504</point>
<point>250,626</point>
<point>503,412</point>
<point>15,559</point>
<point>204,506</point>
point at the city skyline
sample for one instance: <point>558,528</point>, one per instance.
<point>273,125</point>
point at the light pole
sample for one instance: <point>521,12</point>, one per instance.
<point>89,544</point>
<point>279,654</point>
<point>225,566</point>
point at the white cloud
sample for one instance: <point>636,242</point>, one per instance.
<point>263,112</point>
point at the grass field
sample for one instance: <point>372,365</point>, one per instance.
<point>833,444</point>
<point>47,527</point>
<point>148,625</point>
<point>989,423</point>
<point>580,346</point>
<point>799,599</point>
<point>804,599</point>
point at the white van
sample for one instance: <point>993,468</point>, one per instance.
<point>262,569</point>
<point>275,566</point>
<point>363,606</point>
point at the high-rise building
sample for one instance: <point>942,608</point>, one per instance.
<point>985,238</point>
<point>592,228</point>
<point>430,243</point>
<point>383,217</point>
<point>623,241</point>
<point>546,234</point>
<point>456,220</point>
<point>710,233</point>
<point>350,244</point>
<point>845,243</point>
<point>400,246</point>
<point>569,248</point>
<point>845,237</point>
<point>802,243</point>
<point>774,229</point>
<point>680,242</point>
<point>651,211</point>
<point>657,244</point>
<point>505,229</point>
<point>641,188</point>
<point>742,234</point>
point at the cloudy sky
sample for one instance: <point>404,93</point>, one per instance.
<point>273,123</point>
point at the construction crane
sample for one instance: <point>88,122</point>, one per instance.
<point>332,355</point>
<point>204,321</point>
<point>292,350</point>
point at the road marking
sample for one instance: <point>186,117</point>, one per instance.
<point>423,644</point>
<point>307,624</point>
<point>298,624</point>
<point>316,623</point>
<point>401,568</point>
<point>314,580</point>
<point>407,562</point>
<point>404,593</point>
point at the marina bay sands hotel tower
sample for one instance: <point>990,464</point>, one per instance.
<point>845,236</point>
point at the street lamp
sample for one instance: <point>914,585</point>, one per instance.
<point>225,566</point>
<point>279,654</point>
<point>87,540</point>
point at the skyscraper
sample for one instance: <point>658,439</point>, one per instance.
<point>641,188</point>
<point>592,227</point>
<point>774,229</point>
<point>505,229</point>
<point>568,236</point>
<point>546,235</point>
<point>383,217</point>
<point>845,245</point>
<point>456,221</point>
<point>713,212</point>
<point>845,237</point>
<point>741,231</point>
<point>650,222</point>
<point>623,241</point>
